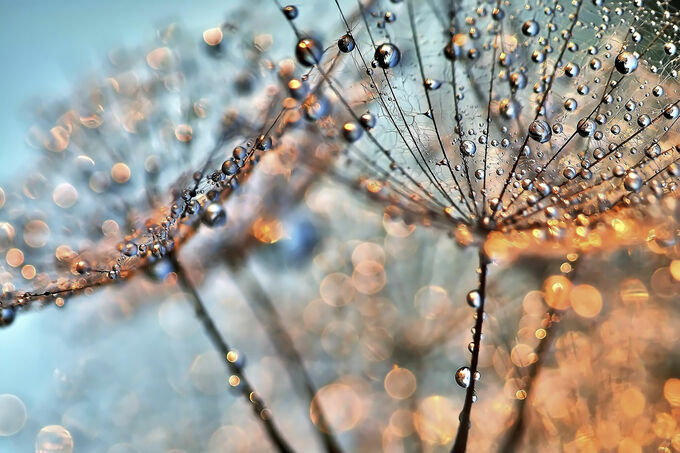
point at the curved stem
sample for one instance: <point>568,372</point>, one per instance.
<point>269,317</point>
<point>460,444</point>
<point>516,432</point>
<point>254,400</point>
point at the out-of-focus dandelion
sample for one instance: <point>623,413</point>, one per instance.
<point>135,164</point>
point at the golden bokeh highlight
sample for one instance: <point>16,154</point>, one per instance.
<point>14,257</point>
<point>213,36</point>
<point>65,195</point>
<point>633,291</point>
<point>431,301</point>
<point>671,391</point>
<point>159,58</point>
<point>369,277</point>
<point>341,405</point>
<point>400,383</point>
<point>675,269</point>
<point>632,402</point>
<point>401,422</point>
<point>184,133</point>
<point>120,173</point>
<point>556,291</point>
<point>337,289</point>
<point>523,355</point>
<point>268,230</point>
<point>436,420</point>
<point>36,233</point>
<point>28,272</point>
<point>586,300</point>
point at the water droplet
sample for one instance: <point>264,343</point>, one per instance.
<point>671,111</point>
<point>290,11</point>
<point>308,52</point>
<point>518,80</point>
<point>351,131</point>
<point>229,167</point>
<point>452,50</point>
<point>130,249</point>
<point>509,108</point>
<point>54,439</point>
<point>540,131</point>
<point>7,316</point>
<point>368,120</point>
<point>468,147</point>
<point>571,69</point>
<point>82,267</point>
<point>670,48</point>
<point>432,84</point>
<point>644,121</point>
<point>239,152</point>
<point>346,43</point>
<point>474,299</point>
<point>586,127</point>
<point>626,62</point>
<point>530,28</point>
<point>387,55</point>
<point>569,173</point>
<point>632,182</point>
<point>463,376</point>
<point>215,215</point>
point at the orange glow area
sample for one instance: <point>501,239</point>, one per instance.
<point>268,231</point>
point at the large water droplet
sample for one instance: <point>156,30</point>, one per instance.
<point>7,315</point>
<point>474,299</point>
<point>387,55</point>
<point>633,182</point>
<point>540,131</point>
<point>586,127</point>
<point>530,28</point>
<point>308,52</point>
<point>368,120</point>
<point>626,62</point>
<point>351,131</point>
<point>290,11</point>
<point>463,376</point>
<point>468,147</point>
<point>214,215</point>
<point>54,439</point>
<point>346,43</point>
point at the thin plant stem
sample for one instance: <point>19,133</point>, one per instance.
<point>516,432</point>
<point>215,337</point>
<point>460,444</point>
<point>269,317</point>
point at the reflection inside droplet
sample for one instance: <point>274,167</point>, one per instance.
<point>54,439</point>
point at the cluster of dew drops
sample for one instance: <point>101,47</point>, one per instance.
<point>387,55</point>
